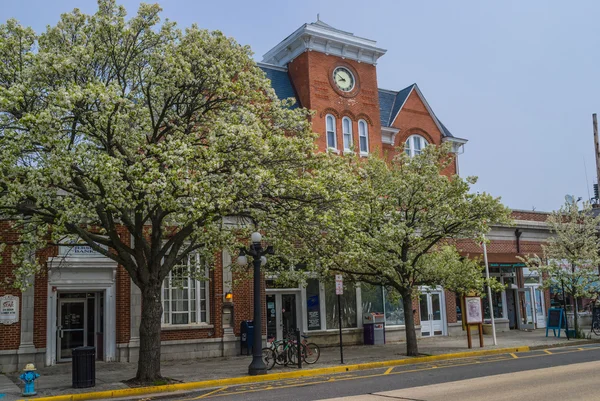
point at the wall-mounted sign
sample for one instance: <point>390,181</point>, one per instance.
<point>473,310</point>
<point>78,250</point>
<point>9,309</point>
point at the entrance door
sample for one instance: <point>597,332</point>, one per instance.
<point>72,329</point>
<point>540,315</point>
<point>282,316</point>
<point>526,312</point>
<point>431,314</point>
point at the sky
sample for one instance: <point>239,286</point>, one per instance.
<point>515,78</point>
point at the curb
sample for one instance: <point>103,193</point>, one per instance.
<point>130,392</point>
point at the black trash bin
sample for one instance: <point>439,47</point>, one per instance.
<point>247,336</point>
<point>84,367</point>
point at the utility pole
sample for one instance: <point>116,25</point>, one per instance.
<point>597,148</point>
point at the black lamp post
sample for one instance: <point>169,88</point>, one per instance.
<point>257,366</point>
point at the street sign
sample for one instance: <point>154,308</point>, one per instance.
<point>339,284</point>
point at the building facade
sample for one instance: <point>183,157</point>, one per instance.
<point>84,298</point>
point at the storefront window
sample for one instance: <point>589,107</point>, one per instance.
<point>372,298</point>
<point>348,303</point>
<point>458,300</point>
<point>497,305</point>
<point>313,306</point>
<point>394,310</point>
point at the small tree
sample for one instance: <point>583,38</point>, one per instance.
<point>571,256</point>
<point>138,139</point>
<point>398,229</point>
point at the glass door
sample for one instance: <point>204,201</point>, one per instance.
<point>288,315</point>
<point>526,311</point>
<point>282,316</point>
<point>540,315</point>
<point>431,314</point>
<point>72,329</point>
<point>271,317</point>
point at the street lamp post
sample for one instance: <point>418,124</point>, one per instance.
<point>257,366</point>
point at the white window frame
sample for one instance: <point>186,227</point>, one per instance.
<point>363,133</point>
<point>333,131</point>
<point>347,135</point>
<point>201,286</point>
<point>410,148</point>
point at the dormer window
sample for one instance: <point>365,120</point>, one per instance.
<point>331,134</point>
<point>347,133</point>
<point>363,137</point>
<point>414,145</point>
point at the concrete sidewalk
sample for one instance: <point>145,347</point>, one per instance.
<point>56,380</point>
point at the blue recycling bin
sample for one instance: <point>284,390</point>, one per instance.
<point>246,336</point>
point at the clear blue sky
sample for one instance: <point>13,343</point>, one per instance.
<point>518,79</point>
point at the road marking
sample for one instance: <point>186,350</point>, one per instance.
<point>210,393</point>
<point>308,382</point>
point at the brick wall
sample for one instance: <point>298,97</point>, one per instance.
<point>450,306</point>
<point>10,335</point>
<point>243,300</point>
<point>414,119</point>
<point>311,74</point>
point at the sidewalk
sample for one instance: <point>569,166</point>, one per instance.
<point>56,380</point>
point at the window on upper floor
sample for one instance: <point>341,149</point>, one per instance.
<point>331,134</point>
<point>363,137</point>
<point>185,299</point>
<point>414,145</point>
<point>347,133</point>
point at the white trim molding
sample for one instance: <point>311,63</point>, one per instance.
<point>318,36</point>
<point>388,135</point>
<point>82,274</point>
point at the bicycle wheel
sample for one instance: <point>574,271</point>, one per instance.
<point>596,328</point>
<point>268,357</point>
<point>312,352</point>
<point>292,354</point>
<point>281,357</point>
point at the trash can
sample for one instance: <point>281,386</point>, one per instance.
<point>84,367</point>
<point>246,336</point>
<point>374,328</point>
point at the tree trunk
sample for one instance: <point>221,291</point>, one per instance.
<point>149,361</point>
<point>412,348</point>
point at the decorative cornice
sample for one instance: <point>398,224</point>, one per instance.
<point>325,39</point>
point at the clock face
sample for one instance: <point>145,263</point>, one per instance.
<point>343,79</point>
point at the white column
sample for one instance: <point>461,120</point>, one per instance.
<point>26,350</point>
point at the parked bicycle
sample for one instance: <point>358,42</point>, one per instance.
<point>284,352</point>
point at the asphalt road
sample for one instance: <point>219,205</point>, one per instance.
<point>444,380</point>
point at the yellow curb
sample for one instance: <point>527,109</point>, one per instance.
<point>129,392</point>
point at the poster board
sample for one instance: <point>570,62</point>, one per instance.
<point>9,309</point>
<point>556,320</point>
<point>473,312</point>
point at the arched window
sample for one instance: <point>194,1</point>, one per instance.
<point>347,133</point>
<point>330,128</point>
<point>363,137</point>
<point>414,145</point>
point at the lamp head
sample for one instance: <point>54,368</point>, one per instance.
<point>256,237</point>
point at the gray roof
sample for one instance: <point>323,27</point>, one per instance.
<point>280,81</point>
<point>390,103</point>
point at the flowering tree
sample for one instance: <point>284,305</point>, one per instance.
<point>138,138</point>
<point>571,256</point>
<point>398,231</point>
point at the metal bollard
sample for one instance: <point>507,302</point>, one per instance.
<point>299,344</point>
<point>28,377</point>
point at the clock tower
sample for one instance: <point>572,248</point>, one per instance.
<point>333,73</point>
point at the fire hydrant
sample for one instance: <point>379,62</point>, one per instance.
<point>28,376</point>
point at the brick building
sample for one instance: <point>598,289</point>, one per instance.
<point>86,299</point>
